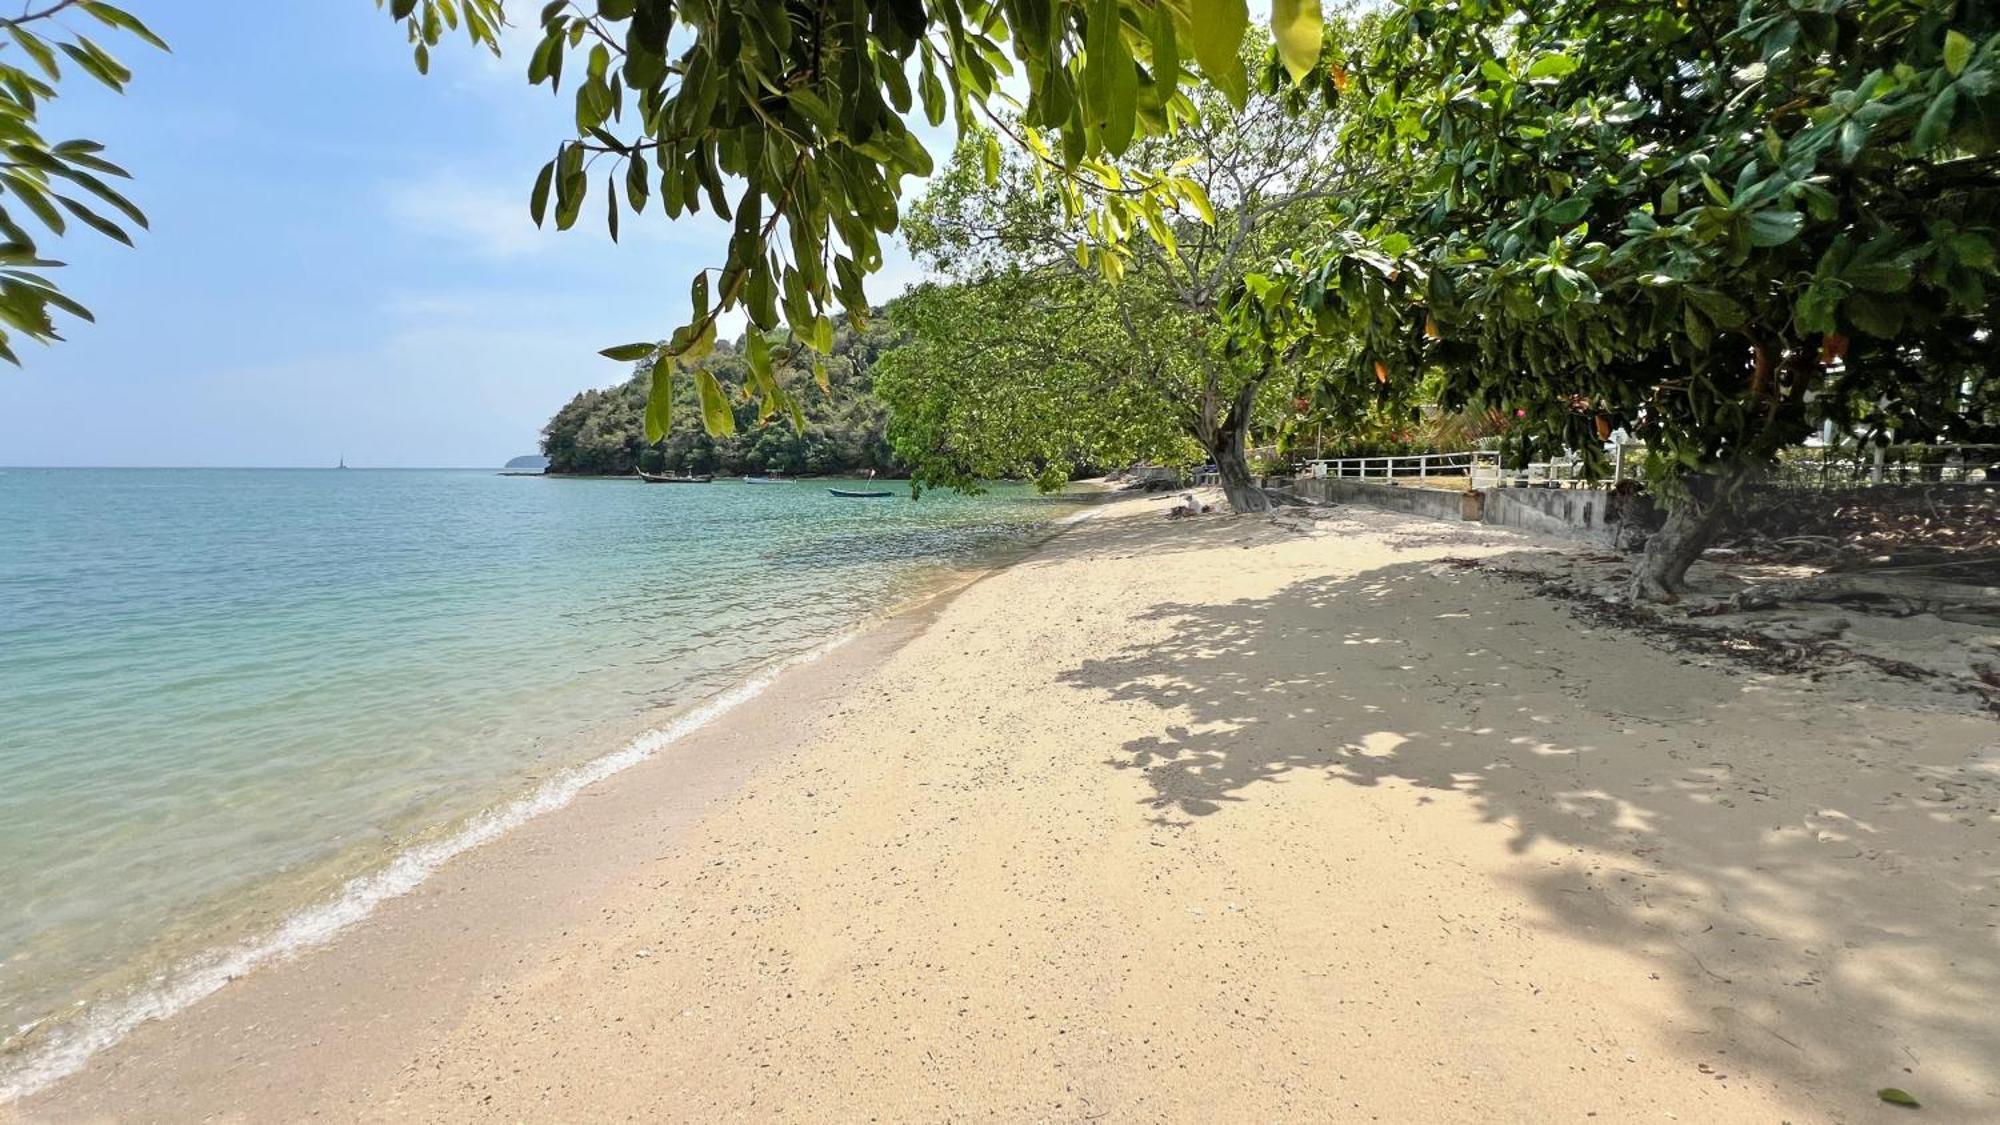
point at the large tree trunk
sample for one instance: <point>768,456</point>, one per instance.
<point>1243,493</point>
<point>1691,526</point>
<point>1226,436</point>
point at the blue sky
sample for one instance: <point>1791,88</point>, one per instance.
<point>341,258</point>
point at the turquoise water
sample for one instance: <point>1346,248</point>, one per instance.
<point>231,695</point>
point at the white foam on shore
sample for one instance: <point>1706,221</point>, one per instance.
<point>68,1049</point>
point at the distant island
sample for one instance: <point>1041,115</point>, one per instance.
<point>527,461</point>
<point>602,432</point>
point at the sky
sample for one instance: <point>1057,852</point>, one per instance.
<point>341,260</point>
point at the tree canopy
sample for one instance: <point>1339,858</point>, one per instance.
<point>793,120</point>
<point>1714,225</point>
<point>47,184</point>
<point>1044,357</point>
<point>1025,376</point>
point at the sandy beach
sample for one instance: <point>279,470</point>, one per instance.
<point>1226,819</point>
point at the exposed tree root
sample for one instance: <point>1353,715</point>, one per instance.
<point>1906,593</point>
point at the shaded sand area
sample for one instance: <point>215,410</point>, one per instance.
<point>1215,820</point>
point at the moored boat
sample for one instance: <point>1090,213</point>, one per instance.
<point>850,494</point>
<point>661,478</point>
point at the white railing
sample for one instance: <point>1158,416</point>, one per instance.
<point>1413,466</point>
<point>1488,470</point>
<point>1480,468</point>
<point>1850,465</point>
<point>1808,467</point>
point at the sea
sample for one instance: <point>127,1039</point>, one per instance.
<point>239,708</point>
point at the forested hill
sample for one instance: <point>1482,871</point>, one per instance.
<point>603,431</point>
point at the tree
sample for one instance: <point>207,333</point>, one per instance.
<point>1714,225</point>
<point>1114,335</point>
<point>1020,375</point>
<point>792,119</point>
<point>47,184</point>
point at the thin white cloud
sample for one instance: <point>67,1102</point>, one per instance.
<point>488,219</point>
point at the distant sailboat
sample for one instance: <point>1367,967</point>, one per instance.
<point>343,462</point>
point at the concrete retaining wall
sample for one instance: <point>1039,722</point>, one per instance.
<point>1584,515</point>
<point>1436,503</point>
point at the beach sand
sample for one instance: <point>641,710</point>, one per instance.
<point>1221,819</point>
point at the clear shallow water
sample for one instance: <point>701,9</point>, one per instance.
<point>225,695</point>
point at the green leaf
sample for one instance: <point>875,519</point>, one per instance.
<point>1973,250</point>
<point>1936,121</point>
<point>932,92</point>
<point>813,106</point>
<point>1773,228</point>
<point>126,21</point>
<point>1878,277</point>
<point>660,401</point>
<point>1552,66</point>
<point>1889,1093</point>
<point>1218,27</point>
<point>1166,52</point>
<point>97,63</point>
<point>716,416</point>
<point>1723,309</point>
<point>1873,315</point>
<point>1197,197</point>
<point>1957,52</point>
<point>36,199</point>
<point>1110,81</point>
<point>95,221</point>
<point>538,199</point>
<point>102,191</point>
<point>627,353</point>
<point>1568,211</point>
<point>758,351</point>
<point>36,49</point>
<point>1295,26</point>
<point>1697,328</point>
<point>1853,134</point>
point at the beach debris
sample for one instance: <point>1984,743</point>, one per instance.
<point>1897,1097</point>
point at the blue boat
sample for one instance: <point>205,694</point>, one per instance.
<point>852,495</point>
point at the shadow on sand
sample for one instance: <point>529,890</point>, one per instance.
<point>1817,881</point>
